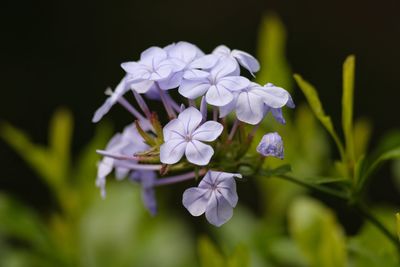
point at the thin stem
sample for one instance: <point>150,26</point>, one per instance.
<point>215,114</point>
<point>173,103</point>
<point>233,130</point>
<point>378,224</point>
<point>167,103</point>
<point>135,166</point>
<point>253,132</point>
<point>142,104</point>
<point>192,103</point>
<point>130,108</point>
<point>178,178</point>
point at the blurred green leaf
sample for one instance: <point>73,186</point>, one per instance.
<point>369,247</point>
<point>271,53</point>
<point>317,233</point>
<point>209,254</point>
<point>239,258</point>
<point>60,133</point>
<point>316,106</point>
<point>347,105</point>
<point>19,222</point>
<point>283,169</point>
<point>38,157</point>
<point>362,134</point>
<point>398,225</point>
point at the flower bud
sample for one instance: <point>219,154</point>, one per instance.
<point>271,145</point>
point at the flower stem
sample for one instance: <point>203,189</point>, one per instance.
<point>178,178</point>
<point>167,104</point>
<point>131,109</point>
<point>142,104</point>
<point>233,130</point>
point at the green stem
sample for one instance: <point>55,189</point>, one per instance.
<point>322,189</point>
<point>378,224</point>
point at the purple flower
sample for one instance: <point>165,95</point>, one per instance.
<point>216,196</point>
<point>253,102</point>
<point>153,66</point>
<point>277,112</point>
<point>271,145</point>
<point>128,143</point>
<point>147,180</point>
<point>244,59</point>
<point>218,86</point>
<point>185,135</point>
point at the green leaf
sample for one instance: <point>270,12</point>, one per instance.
<point>60,133</point>
<point>209,254</point>
<point>271,53</point>
<point>37,156</point>
<point>316,106</point>
<point>283,169</point>
<point>240,257</point>
<point>398,225</point>
<point>362,135</point>
<point>347,105</point>
<point>317,233</point>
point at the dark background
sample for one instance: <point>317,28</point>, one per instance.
<point>65,53</point>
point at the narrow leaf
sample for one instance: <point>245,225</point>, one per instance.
<point>209,254</point>
<point>312,97</point>
<point>347,105</point>
<point>398,225</point>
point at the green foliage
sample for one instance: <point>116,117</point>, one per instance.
<point>317,233</point>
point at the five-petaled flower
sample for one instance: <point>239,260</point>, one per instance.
<point>216,196</point>
<point>185,135</point>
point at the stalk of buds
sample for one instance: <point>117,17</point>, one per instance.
<point>195,142</point>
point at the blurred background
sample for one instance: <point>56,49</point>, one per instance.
<point>65,53</point>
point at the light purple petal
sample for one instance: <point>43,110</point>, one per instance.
<point>153,56</point>
<point>172,151</point>
<point>246,60</point>
<point>249,108</point>
<point>234,83</point>
<point>222,50</point>
<point>142,87</point>
<point>194,74</point>
<point>205,62</point>
<point>174,130</point>
<point>198,153</point>
<point>173,81</point>
<point>227,188</point>
<point>209,131</point>
<point>184,51</point>
<point>225,110</point>
<point>226,66</point>
<point>271,145</point>
<point>275,97</point>
<point>194,89</point>
<point>103,110</point>
<point>219,211</point>
<point>278,115</point>
<point>218,96</point>
<point>195,200</point>
<point>190,119</point>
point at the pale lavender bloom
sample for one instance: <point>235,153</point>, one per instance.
<point>216,196</point>
<point>193,60</point>
<point>113,98</point>
<point>243,58</point>
<point>153,66</point>
<point>147,180</point>
<point>271,145</point>
<point>277,112</point>
<point>251,103</point>
<point>185,135</point>
<point>218,87</point>
<point>128,143</point>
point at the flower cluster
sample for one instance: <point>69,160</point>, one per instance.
<point>200,138</point>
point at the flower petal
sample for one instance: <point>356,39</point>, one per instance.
<point>184,51</point>
<point>222,50</point>
<point>218,96</point>
<point>208,131</point>
<point>226,66</point>
<point>249,108</point>
<point>278,115</point>
<point>246,60</point>
<point>195,200</point>
<point>234,83</point>
<point>142,87</point>
<point>198,153</point>
<point>193,89</point>
<point>174,130</point>
<point>152,56</point>
<point>172,151</point>
<point>225,110</point>
<point>204,62</point>
<point>219,211</point>
<point>275,97</point>
<point>190,118</point>
<point>227,188</point>
<point>194,74</point>
<point>172,81</point>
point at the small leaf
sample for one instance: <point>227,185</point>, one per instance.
<point>240,257</point>
<point>209,254</point>
<point>316,106</point>
<point>347,105</point>
<point>277,171</point>
<point>362,135</point>
<point>317,233</point>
